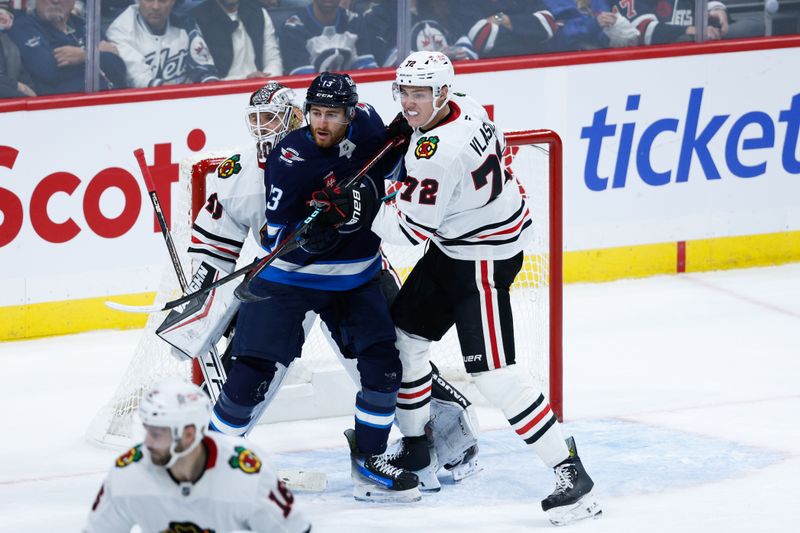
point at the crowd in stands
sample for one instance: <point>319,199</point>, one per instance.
<point>148,43</point>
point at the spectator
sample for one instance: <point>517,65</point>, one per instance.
<point>662,21</point>
<point>323,37</point>
<point>428,32</point>
<point>11,71</point>
<point>241,38</point>
<point>588,25</point>
<point>52,45</point>
<point>160,48</point>
<point>499,28</point>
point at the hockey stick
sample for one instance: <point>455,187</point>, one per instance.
<point>210,363</point>
<point>289,242</point>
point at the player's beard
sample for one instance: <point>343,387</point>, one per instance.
<point>159,458</point>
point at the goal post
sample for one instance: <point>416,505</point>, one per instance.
<point>316,385</point>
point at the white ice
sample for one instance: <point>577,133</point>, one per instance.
<point>683,393</point>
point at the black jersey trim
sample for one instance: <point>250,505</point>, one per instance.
<point>409,237</point>
<point>494,225</point>
<point>194,250</point>
<point>487,242</point>
<point>411,406</point>
<point>206,233</point>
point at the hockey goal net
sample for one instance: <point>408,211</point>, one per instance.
<point>317,386</point>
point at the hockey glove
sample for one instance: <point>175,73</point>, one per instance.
<point>318,238</point>
<point>345,209</point>
<point>399,128</point>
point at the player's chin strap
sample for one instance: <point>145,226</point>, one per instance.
<point>435,112</point>
<point>175,454</point>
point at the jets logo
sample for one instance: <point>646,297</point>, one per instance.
<point>426,147</point>
<point>129,457</point>
<point>290,155</point>
<point>229,167</point>
<point>346,148</point>
<point>246,461</point>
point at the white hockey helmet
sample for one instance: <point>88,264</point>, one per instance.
<point>426,69</point>
<point>271,114</point>
<point>175,404</point>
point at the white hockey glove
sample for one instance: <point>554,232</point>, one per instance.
<point>622,33</point>
<point>192,329</point>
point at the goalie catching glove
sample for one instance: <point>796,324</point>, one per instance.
<point>193,328</point>
<point>346,209</point>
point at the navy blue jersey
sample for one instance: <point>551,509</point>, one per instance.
<point>296,168</point>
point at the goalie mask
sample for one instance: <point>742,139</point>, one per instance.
<point>175,404</point>
<point>426,69</point>
<point>271,115</point>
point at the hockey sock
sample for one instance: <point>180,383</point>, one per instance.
<point>414,397</point>
<point>374,417</point>
<point>527,410</point>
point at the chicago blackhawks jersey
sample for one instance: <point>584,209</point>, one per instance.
<point>235,205</point>
<point>235,492</point>
<point>457,192</point>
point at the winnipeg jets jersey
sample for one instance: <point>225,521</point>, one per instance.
<point>236,492</point>
<point>296,168</point>
<point>235,205</point>
<point>457,192</point>
<point>180,55</point>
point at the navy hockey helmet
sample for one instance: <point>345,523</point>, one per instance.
<point>331,89</point>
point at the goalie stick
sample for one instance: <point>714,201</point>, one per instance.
<point>210,363</point>
<point>288,244</point>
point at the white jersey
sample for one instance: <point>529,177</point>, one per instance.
<point>457,192</point>
<point>235,204</point>
<point>236,492</point>
<point>180,55</point>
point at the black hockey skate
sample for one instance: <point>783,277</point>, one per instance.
<point>572,500</point>
<point>376,480</point>
<point>416,455</point>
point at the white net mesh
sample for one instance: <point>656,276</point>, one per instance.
<point>528,162</point>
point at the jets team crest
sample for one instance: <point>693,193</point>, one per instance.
<point>426,147</point>
<point>129,457</point>
<point>246,461</point>
<point>290,155</point>
<point>229,167</point>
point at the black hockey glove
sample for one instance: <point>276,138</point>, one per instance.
<point>399,128</point>
<point>318,238</point>
<point>345,209</point>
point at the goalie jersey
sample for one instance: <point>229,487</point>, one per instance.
<point>457,192</point>
<point>236,491</point>
<point>296,168</point>
<point>234,207</point>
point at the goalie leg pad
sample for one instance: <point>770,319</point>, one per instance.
<point>194,328</point>
<point>527,410</point>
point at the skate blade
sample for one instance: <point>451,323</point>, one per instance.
<point>584,508</point>
<point>375,494</point>
<point>465,470</point>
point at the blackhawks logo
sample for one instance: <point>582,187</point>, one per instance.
<point>426,147</point>
<point>229,167</point>
<point>246,461</point>
<point>131,456</point>
<point>186,527</point>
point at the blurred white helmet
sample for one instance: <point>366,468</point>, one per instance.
<point>426,69</point>
<point>175,404</point>
<point>271,115</point>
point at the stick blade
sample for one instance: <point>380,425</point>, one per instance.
<point>304,480</point>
